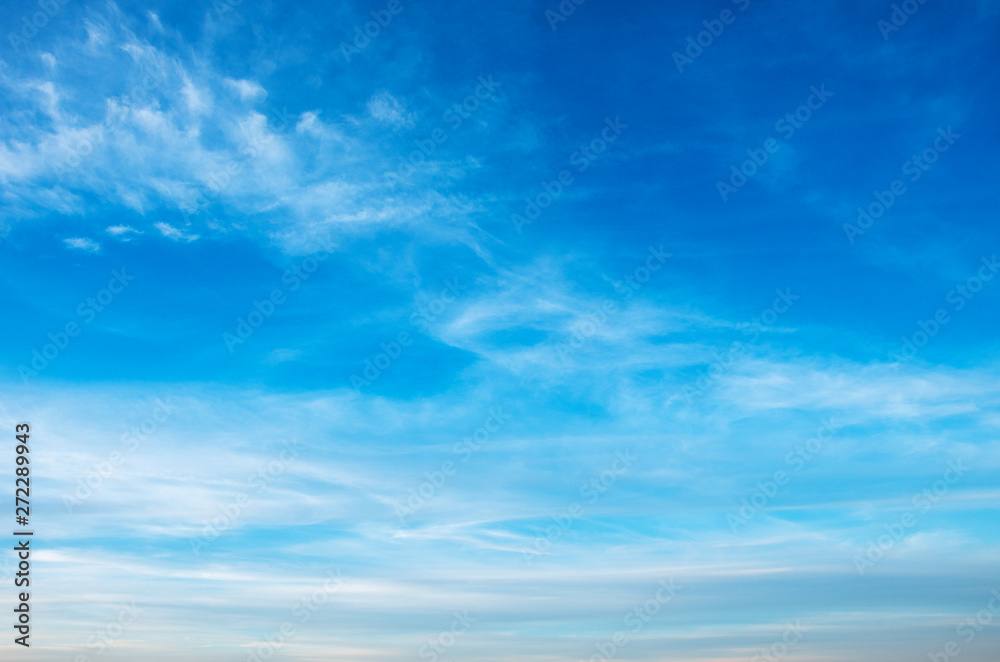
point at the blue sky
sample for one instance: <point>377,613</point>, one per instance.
<point>271,290</point>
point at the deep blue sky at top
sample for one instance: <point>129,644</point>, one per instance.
<point>657,185</point>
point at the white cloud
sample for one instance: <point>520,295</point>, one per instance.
<point>170,146</point>
<point>121,229</point>
<point>198,101</point>
<point>82,244</point>
<point>387,109</point>
<point>247,89</point>
<point>170,232</point>
<point>310,124</point>
<point>97,35</point>
<point>154,19</point>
